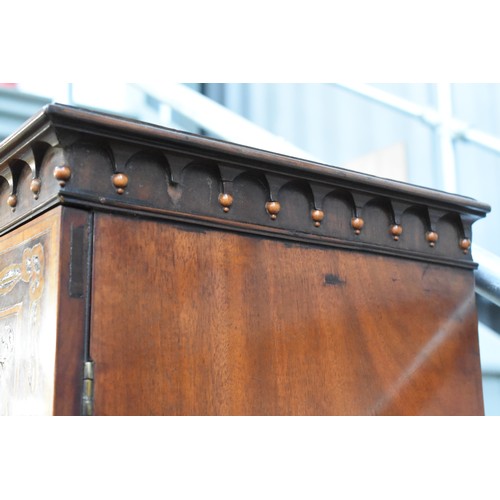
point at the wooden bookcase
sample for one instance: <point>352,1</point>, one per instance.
<point>147,271</point>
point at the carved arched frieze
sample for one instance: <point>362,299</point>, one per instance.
<point>275,183</point>
<point>378,222</point>
<point>199,165</point>
<point>6,179</point>
<point>179,176</point>
<point>397,228</point>
<point>119,154</point>
<point>12,170</point>
<point>39,150</point>
<point>228,174</point>
<point>319,192</point>
<point>9,174</point>
<point>250,192</point>
<point>200,185</point>
<point>22,175</point>
<point>144,176</point>
<point>52,174</point>
<point>339,210</point>
<point>86,166</point>
<point>296,206</point>
<point>172,181</point>
<point>6,213</point>
<point>416,225</point>
<point>177,164</point>
<point>466,237</point>
<point>17,165</point>
<point>24,161</point>
<point>361,200</point>
<point>450,230</point>
<point>5,187</point>
<point>53,157</point>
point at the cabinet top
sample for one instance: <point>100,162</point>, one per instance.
<point>67,155</point>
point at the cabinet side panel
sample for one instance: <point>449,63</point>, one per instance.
<point>29,259</point>
<point>74,261</point>
<point>188,322</point>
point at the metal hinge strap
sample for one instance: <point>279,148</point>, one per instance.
<point>88,389</point>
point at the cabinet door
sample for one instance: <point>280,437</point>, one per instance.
<point>29,262</point>
<point>206,322</point>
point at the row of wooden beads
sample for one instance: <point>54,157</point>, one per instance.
<point>120,182</point>
<point>273,208</point>
<point>357,223</point>
<point>35,189</point>
<point>63,174</point>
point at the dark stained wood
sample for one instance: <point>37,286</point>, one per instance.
<point>114,126</point>
<point>208,278</point>
<point>71,322</point>
<point>202,322</point>
<point>81,158</point>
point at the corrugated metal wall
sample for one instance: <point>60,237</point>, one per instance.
<point>340,127</point>
<point>15,108</point>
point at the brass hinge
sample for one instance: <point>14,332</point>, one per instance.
<point>88,389</point>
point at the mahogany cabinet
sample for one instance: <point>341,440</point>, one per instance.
<point>147,271</point>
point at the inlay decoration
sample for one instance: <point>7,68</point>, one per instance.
<point>20,322</point>
<point>30,270</point>
<point>28,315</point>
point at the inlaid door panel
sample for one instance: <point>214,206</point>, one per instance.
<point>29,261</point>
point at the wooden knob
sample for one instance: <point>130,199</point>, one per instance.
<point>226,200</point>
<point>12,200</point>
<point>396,231</point>
<point>431,237</point>
<point>35,187</point>
<point>465,244</point>
<point>62,174</point>
<point>273,208</point>
<point>357,223</point>
<point>120,181</point>
<point>317,217</point>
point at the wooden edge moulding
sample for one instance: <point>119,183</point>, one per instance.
<point>70,156</point>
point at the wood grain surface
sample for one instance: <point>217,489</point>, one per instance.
<point>206,322</point>
<point>72,311</point>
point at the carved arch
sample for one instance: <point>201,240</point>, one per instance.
<point>296,202</point>
<point>378,220</point>
<point>145,175</point>
<point>250,193</point>
<point>339,209</point>
<point>38,150</point>
<point>200,186</point>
